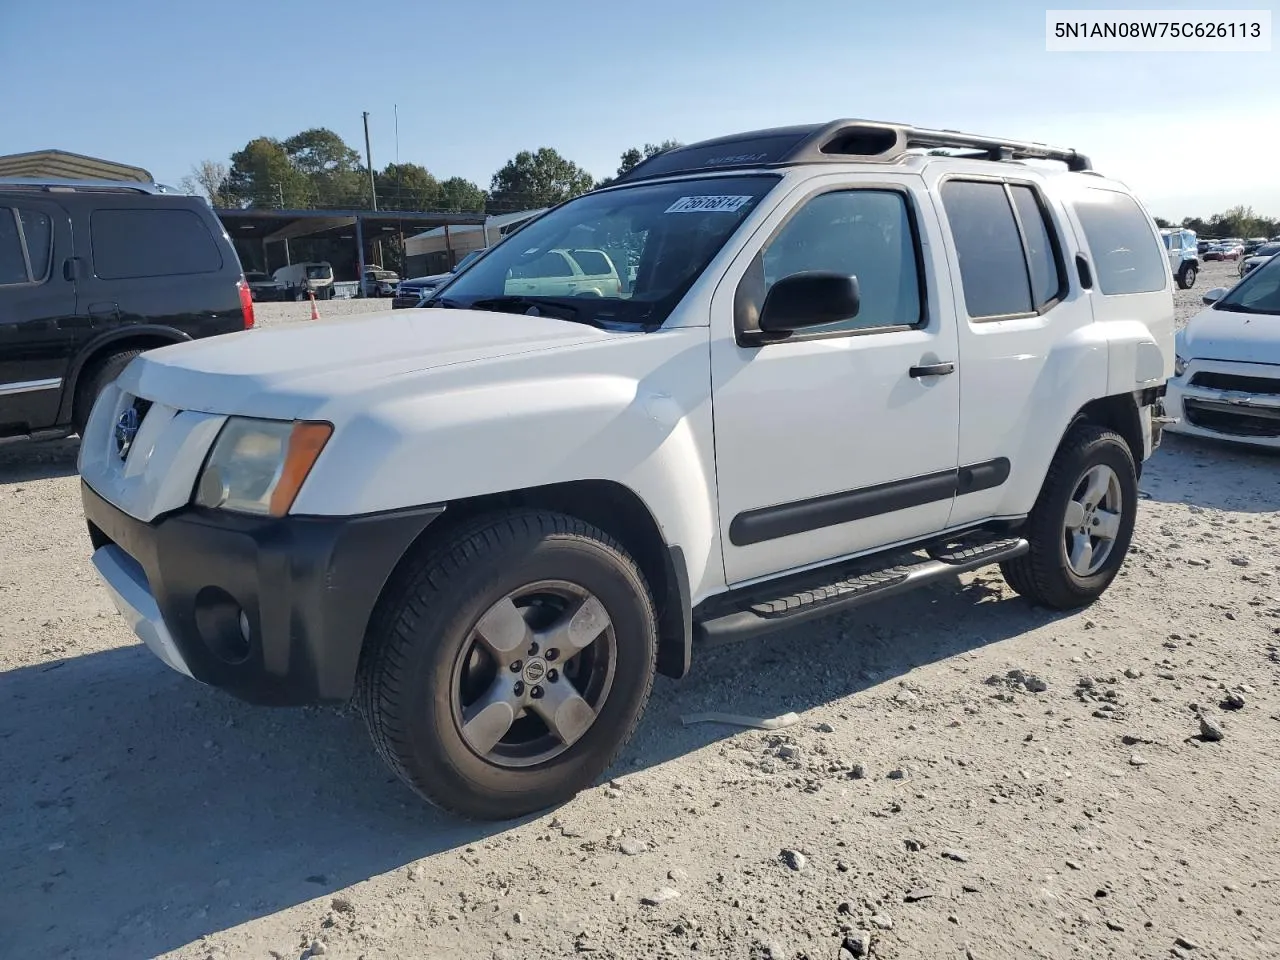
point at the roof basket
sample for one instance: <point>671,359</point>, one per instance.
<point>840,141</point>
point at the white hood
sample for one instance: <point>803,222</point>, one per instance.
<point>284,371</point>
<point>1223,335</point>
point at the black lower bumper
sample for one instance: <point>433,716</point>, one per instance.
<point>306,587</point>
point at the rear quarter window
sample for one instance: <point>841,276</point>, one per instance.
<point>131,244</point>
<point>1126,256</point>
<point>593,263</point>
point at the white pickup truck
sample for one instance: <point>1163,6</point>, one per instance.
<point>845,368</point>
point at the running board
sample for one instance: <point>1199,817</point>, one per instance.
<point>57,433</point>
<point>823,596</point>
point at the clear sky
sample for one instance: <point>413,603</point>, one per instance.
<point>165,84</point>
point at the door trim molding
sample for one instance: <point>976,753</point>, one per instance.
<point>829,510</point>
<point>29,386</point>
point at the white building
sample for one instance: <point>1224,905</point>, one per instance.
<point>437,250</point>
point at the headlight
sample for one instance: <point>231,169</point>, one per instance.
<point>258,466</point>
<point>1179,366</point>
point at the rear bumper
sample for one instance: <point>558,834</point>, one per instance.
<point>1250,415</point>
<point>273,610</point>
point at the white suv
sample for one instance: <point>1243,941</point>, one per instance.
<point>844,369</point>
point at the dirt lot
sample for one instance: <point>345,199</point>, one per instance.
<point>926,802</point>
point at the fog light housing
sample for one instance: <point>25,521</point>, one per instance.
<point>223,625</point>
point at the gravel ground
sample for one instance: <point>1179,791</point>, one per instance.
<point>273,314</point>
<point>972,777</point>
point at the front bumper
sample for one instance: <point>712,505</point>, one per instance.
<point>1226,400</point>
<point>191,582</point>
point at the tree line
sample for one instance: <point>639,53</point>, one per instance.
<point>1239,221</point>
<point>317,169</point>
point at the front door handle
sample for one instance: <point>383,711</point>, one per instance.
<point>932,370</point>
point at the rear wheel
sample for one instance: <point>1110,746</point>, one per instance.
<point>1187,276</point>
<point>1082,523</point>
<point>508,665</point>
<point>94,381</point>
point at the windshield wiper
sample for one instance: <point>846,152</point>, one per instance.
<point>1238,308</point>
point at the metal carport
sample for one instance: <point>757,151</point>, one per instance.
<point>281,226</point>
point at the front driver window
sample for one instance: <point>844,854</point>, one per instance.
<point>862,233</point>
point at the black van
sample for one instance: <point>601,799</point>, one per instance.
<point>91,275</point>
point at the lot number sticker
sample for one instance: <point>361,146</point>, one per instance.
<point>707,204</point>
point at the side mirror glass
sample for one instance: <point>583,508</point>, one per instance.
<point>1214,295</point>
<point>809,300</point>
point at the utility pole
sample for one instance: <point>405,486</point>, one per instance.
<point>373,193</point>
<point>368,159</point>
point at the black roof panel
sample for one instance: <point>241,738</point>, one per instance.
<point>838,141</point>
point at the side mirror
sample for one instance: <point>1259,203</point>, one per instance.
<point>809,300</point>
<point>1214,295</point>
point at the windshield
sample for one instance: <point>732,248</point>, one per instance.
<point>1258,292</point>
<point>381,275</point>
<point>320,272</point>
<point>467,259</point>
<point>1267,250</point>
<point>618,256</point>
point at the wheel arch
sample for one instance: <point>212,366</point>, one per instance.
<point>620,512</point>
<point>95,353</point>
<point>1118,413</point>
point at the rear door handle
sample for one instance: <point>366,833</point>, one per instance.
<point>932,370</point>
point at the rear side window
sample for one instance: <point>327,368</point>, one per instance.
<point>1009,262</point>
<point>13,265</point>
<point>592,262</point>
<point>37,229</point>
<point>1125,256</point>
<point>16,256</point>
<point>550,264</point>
<point>128,244</point>
<point>1042,257</point>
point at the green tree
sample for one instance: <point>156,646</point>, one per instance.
<point>459,195</point>
<point>1162,223</point>
<point>262,175</point>
<point>407,186</point>
<point>320,151</point>
<point>332,168</point>
<point>536,179</point>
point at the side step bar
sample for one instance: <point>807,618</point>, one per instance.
<point>56,433</point>
<point>762,614</point>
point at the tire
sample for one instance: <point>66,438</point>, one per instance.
<point>93,382</point>
<point>1187,276</point>
<point>423,650</point>
<point>1045,574</point>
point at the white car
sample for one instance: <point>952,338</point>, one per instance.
<point>1227,382</point>
<point>845,369</point>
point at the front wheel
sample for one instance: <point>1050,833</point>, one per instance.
<point>1187,276</point>
<point>1082,522</point>
<point>508,665</point>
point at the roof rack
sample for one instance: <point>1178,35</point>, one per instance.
<point>840,142</point>
<point>57,184</point>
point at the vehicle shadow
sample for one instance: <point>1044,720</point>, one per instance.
<point>1213,474</point>
<point>26,460</point>
<point>141,811</point>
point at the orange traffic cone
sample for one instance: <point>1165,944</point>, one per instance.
<point>315,313</point>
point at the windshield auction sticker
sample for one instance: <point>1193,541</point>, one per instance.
<point>707,204</point>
